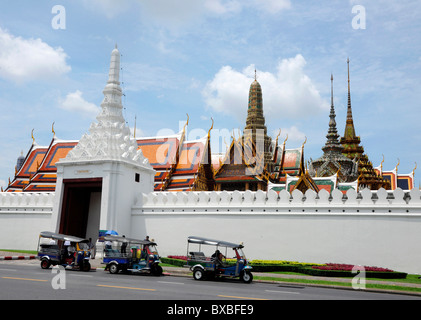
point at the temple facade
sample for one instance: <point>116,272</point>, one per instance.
<point>253,160</point>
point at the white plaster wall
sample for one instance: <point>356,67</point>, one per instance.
<point>382,240</point>
<point>22,217</point>
<point>366,228</point>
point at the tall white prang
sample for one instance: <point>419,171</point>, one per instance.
<point>106,168</point>
<point>109,138</point>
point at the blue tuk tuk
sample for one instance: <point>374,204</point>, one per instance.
<point>205,265</point>
<point>130,255</point>
<point>65,250</point>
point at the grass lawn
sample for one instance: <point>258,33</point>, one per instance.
<point>20,251</point>
<point>410,279</point>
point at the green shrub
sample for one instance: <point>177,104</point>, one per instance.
<point>174,262</point>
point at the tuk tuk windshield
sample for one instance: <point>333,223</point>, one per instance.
<point>152,249</point>
<point>240,254</point>
<point>83,246</point>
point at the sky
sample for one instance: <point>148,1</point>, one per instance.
<point>198,58</point>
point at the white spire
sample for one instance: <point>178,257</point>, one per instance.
<point>109,138</point>
<point>114,67</point>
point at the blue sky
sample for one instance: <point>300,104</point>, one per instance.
<point>198,57</point>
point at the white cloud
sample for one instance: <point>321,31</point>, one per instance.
<point>222,7</point>
<point>76,103</point>
<point>273,6</point>
<point>287,93</point>
<point>24,60</point>
<point>110,8</point>
<point>293,134</point>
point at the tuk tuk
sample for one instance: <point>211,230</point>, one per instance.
<point>60,249</point>
<point>131,255</point>
<point>207,265</point>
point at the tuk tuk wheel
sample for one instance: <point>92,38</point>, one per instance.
<point>246,276</point>
<point>45,263</point>
<point>86,266</point>
<point>198,274</point>
<point>157,270</point>
<point>113,268</point>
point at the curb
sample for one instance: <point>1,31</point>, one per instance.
<point>17,257</point>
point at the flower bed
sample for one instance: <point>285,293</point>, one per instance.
<point>348,267</point>
<point>178,257</point>
<point>283,262</point>
<point>313,269</point>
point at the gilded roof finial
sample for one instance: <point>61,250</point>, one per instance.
<point>276,144</point>
<point>210,128</point>
<point>305,141</point>
<point>381,163</point>
<point>396,168</point>
<point>286,139</point>
<point>413,171</point>
<point>32,136</point>
<point>186,124</point>
<point>52,130</point>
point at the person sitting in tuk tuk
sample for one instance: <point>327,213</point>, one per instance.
<point>217,257</point>
<point>69,250</point>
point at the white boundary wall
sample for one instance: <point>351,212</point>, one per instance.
<point>367,228</point>
<point>22,216</point>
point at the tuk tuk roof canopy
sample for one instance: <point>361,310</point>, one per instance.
<point>59,236</point>
<point>130,240</point>
<point>212,242</point>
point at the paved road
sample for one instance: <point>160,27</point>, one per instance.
<point>27,281</point>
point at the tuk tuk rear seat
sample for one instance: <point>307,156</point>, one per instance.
<point>197,255</point>
<point>112,253</point>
